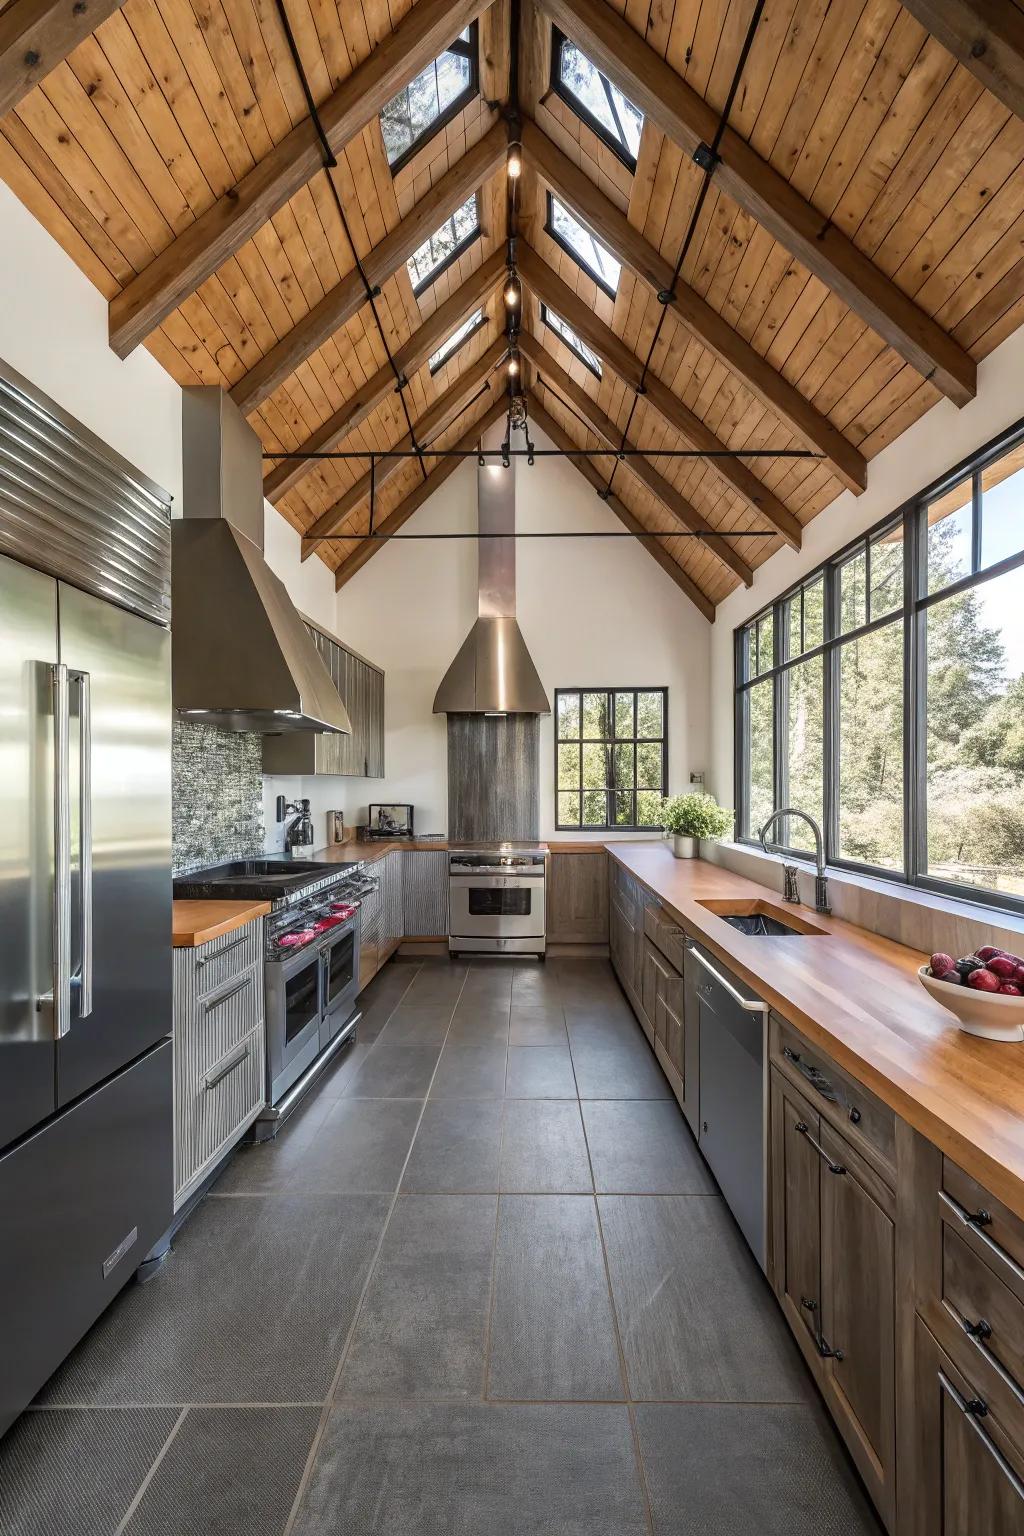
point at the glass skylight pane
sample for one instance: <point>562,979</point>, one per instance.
<point>455,340</point>
<point>600,99</point>
<point>408,117</point>
<point>440,246</point>
<point>590,253</point>
<point>572,341</point>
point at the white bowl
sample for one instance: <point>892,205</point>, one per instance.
<point>988,1014</point>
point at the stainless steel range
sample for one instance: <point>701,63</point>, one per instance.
<point>496,900</point>
<point>311,962</point>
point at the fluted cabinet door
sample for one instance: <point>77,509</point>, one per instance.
<point>425,892</point>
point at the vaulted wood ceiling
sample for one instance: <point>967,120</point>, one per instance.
<point>860,249</point>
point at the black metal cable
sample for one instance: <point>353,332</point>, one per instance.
<point>330,163</point>
<point>707,157</point>
<point>579,453</point>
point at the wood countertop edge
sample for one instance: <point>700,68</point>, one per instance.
<point>197,922</point>
<point>885,1065</point>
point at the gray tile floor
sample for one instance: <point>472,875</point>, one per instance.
<point>482,1282</point>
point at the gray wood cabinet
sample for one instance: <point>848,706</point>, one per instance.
<point>425,892</point>
<point>361,755</point>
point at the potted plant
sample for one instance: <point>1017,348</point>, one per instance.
<point>691,817</point>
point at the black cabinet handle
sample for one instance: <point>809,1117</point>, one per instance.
<point>979,1330</point>
<point>832,1166</point>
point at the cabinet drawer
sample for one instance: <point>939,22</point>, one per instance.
<point>666,935</point>
<point>985,1326</point>
<point>211,1105</point>
<point>210,1025</point>
<point>998,1230</point>
<point>211,965</point>
<point>867,1123</point>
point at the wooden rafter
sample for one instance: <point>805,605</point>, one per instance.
<point>593,476</point>
<point>434,420</point>
<point>609,225</point>
<point>416,497</point>
<point>674,503</point>
<point>342,301</point>
<point>36,35</point>
<point>663,96</point>
<point>549,288</point>
<point>423,33</point>
<point>467,298</point>
<point>986,36</point>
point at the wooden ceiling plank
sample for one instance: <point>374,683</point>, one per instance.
<point>986,37</point>
<point>445,319</point>
<point>343,300</point>
<point>612,227</point>
<point>430,423</point>
<point>586,467</point>
<point>178,270</point>
<point>655,482</point>
<point>37,35</point>
<point>415,499</point>
<point>622,53</point>
<point>618,357</point>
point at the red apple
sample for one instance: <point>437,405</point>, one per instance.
<point>953,977</point>
<point>988,952</point>
<point>983,980</point>
<point>1018,976</point>
<point>1009,990</point>
<point>941,963</point>
<point>1003,967</point>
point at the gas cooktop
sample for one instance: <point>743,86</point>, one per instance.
<point>280,881</point>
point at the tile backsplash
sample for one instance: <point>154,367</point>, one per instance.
<point>218,796</point>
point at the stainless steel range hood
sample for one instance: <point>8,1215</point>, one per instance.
<point>493,672</point>
<point>242,659</point>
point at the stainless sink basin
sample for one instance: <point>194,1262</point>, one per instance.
<point>759,926</point>
<point>762,919</point>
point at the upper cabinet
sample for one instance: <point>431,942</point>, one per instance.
<point>361,755</point>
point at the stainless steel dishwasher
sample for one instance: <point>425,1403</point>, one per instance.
<point>733,1029</point>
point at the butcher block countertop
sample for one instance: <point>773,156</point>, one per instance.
<point>197,922</point>
<point>856,996</point>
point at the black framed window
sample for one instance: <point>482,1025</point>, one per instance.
<point>595,259</point>
<point>445,245</point>
<point>885,693</point>
<point>611,758</point>
<point>457,339</point>
<point>575,344</point>
<point>426,104</point>
<point>594,98</point>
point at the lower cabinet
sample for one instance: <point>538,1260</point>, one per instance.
<point>425,893</point>
<point>577,897</point>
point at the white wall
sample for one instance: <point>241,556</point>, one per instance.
<point>592,612</point>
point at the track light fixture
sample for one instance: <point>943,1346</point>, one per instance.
<point>514,163</point>
<point>513,364</point>
<point>511,294</point>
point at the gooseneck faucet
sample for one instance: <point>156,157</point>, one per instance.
<point>821,902</point>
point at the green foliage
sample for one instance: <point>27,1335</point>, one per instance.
<point>695,816</point>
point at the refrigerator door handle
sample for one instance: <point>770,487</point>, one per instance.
<point>85,839</point>
<point>62,851</point>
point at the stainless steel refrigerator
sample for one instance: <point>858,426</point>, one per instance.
<point>85,884</point>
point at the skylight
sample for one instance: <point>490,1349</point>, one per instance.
<point>580,243</point>
<point>431,100</point>
<point>595,99</point>
<point>573,342</point>
<point>455,340</point>
<point>445,245</point>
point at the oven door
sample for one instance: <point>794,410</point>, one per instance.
<point>496,906</point>
<point>294,1006</point>
<point>340,980</point>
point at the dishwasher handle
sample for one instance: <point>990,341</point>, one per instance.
<point>748,1004</point>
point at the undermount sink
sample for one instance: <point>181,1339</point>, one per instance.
<point>759,919</point>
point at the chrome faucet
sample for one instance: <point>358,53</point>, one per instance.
<point>821,902</point>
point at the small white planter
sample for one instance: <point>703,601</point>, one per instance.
<point>684,847</point>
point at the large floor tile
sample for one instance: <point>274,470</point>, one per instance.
<point>393,1072</point>
<point>733,1469</point>
<point>76,1472</point>
<point>333,1081</point>
<point>228,1472</point>
<point>470,1072</point>
<point>466,1469</point>
<point>358,1147</point>
<point>422,1328</point>
<point>644,1147</point>
<point>697,1319</point>
<point>436,981</point>
<point>551,1338</point>
<point>412,1024</point>
<point>540,1072</point>
<point>543,1149</point>
<point>617,1071</point>
<point>253,1306</point>
<point>456,1148</point>
<point>479,1024</point>
<point>537,1026</point>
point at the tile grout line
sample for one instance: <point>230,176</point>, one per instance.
<point>497,1215</point>
<point>143,1486</point>
<point>328,1404</point>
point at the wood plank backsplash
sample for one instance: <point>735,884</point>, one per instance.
<point>493,777</point>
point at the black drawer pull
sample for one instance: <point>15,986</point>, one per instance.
<point>979,1330</point>
<point>975,1408</point>
<point>979,1218</point>
<point>855,1115</point>
<point>814,1075</point>
<point>832,1166</point>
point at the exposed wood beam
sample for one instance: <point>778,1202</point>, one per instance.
<point>677,505</point>
<point>986,36</point>
<point>423,33</point>
<point>434,420</point>
<point>426,339</point>
<point>621,53</point>
<point>36,35</point>
<point>549,287</point>
<point>435,479</point>
<point>590,472</point>
<point>613,229</point>
<point>342,301</point>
